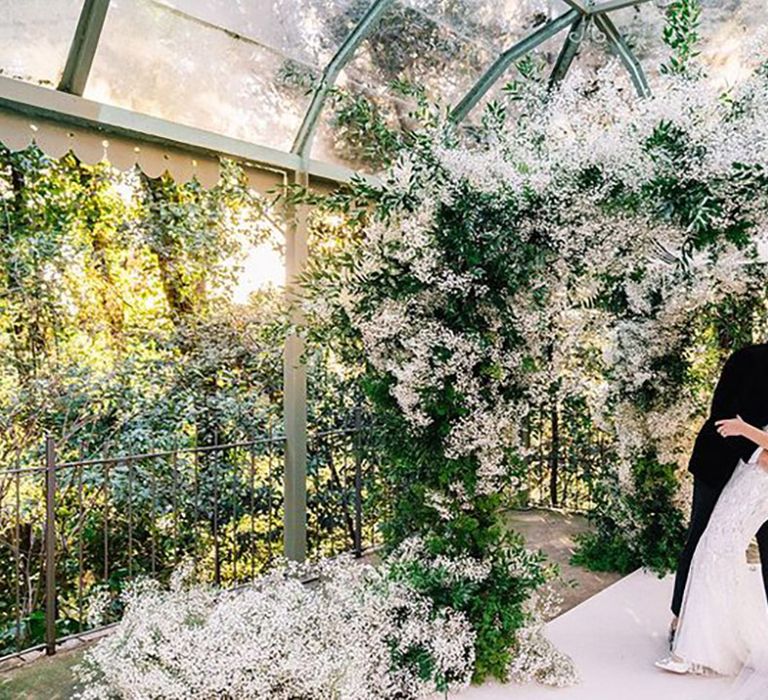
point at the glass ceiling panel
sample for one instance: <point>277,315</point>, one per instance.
<point>421,49</point>
<point>246,68</point>
<point>408,45</point>
<point>495,24</point>
<point>243,69</point>
<point>309,31</point>
<point>34,38</point>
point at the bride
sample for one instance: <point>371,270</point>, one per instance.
<point>723,625</point>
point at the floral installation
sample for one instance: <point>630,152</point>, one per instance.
<point>338,628</point>
<point>577,243</point>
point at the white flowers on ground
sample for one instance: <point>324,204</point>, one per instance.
<point>352,633</point>
<point>536,658</point>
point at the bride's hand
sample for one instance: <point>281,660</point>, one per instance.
<point>731,427</point>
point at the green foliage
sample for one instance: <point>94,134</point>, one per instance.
<point>681,35</point>
<point>414,465</point>
<point>605,549</point>
<point>662,534</point>
<point>119,334</point>
<point>501,238</point>
<point>494,605</point>
<point>366,134</point>
<point>656,542</point>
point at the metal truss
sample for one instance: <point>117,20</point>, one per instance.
<point>577,20</point>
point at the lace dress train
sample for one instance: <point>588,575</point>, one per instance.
<point>724,620</point>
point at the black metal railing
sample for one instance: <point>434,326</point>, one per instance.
<point>71,528</point>
<point>566,458</point>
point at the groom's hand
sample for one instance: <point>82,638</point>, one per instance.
<point>762,460</point>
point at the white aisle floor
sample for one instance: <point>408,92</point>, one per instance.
<point>614,638</point>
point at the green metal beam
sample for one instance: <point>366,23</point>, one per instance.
<point>506,59</point>
<point>303,142</point>
<point>83,47</point>
<point>570,48</point>
<point>608,28</point>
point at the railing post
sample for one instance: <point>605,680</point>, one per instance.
<point>358,483</point>
<point>216,548</point>
<point>554,455</point>
<point>50,546</point>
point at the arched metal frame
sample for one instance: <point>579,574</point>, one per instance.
<point>577,19</point>
<point>66,106</point>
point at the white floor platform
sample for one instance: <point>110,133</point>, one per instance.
<point>614,638</point>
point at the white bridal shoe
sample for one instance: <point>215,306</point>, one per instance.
<point>674,664</point>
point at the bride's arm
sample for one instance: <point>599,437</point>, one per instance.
<point>732,427</point>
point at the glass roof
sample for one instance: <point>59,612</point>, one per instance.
<point>208,65</point>
<point>35,36</point>
<point>246,68</point>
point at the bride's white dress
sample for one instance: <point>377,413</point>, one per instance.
<point>724,620</point>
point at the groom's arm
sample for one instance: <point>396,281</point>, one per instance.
<point>726,399</point>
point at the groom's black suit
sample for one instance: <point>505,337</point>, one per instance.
<point>742,390</point>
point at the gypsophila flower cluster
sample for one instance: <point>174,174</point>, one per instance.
<point>410,281</point>
<point>344,634</point>
<point>536,658</point>
<point>451,570</point>
<point>578,245</point>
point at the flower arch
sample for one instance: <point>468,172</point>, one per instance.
<point>581,244</point>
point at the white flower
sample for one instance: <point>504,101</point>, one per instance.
<point>282,639</point>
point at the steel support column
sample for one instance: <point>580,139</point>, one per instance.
<point>295,390</point>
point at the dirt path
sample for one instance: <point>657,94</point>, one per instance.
<point>555,534</point>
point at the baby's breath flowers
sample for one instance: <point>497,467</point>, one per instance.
<point>573,249</point>
<point>354,633</point>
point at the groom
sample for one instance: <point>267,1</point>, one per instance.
<point>742,390</point>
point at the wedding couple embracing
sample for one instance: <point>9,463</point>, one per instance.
<point>720,605</point>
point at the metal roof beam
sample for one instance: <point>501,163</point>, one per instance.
<point>34,101</point>
<point>83,47</point>
<point>303,142</point>
<point>580,5</point>
<point>570,48</point>
<point>609,29</point>
<point>590,7</point>
<point>506,59</point>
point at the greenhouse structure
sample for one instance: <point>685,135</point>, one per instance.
<point>450,286</point>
